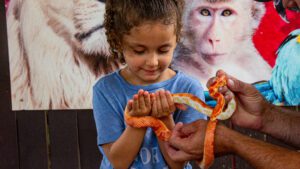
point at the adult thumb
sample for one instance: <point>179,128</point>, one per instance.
<point>238,86</point>
<point>234,84</point>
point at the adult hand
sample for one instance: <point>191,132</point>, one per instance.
<point>251,105</point>
<point>186,141</point>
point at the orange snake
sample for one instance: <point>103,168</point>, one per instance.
<point>163,133</point>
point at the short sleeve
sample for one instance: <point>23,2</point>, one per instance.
<point>108,118</point>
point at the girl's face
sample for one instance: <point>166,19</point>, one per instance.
<point>148,51</point>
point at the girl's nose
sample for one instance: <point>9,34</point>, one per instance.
<point>152,60</point>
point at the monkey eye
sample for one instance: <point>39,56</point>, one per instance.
<point>226,12</point>
<point>205,12</point>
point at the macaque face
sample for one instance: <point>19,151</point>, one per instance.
<point>217,28</point>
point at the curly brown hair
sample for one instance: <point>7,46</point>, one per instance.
<point>122,15</point>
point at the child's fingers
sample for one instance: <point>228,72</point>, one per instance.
<point>164,102</point>
<point>141,100</point>
<point>171,103</point>
<point>154,112</point>
<point>147,99</point>
<point>135,103</point>
<point>129,105</point>
<point>158,103</point>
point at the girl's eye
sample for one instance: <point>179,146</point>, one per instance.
<point>205,12</point>
<point>226,12</point>
<point>163,51</point>
<point>139,52</point>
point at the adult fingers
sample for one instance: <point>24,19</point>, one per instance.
<point>210,81</point>
<point>224,89</point>
<point>193,127</point>
<point>176,129</point>
<point>177,140</point>
<point>234,84</point>
<point>219,73</point>
<point>228,96</point>
<point>226,92</point>
<point>179,155</point>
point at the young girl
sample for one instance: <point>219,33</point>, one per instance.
<point>144,34</point>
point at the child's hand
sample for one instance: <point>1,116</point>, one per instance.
<point>140,105</point>
<point>162,104</point>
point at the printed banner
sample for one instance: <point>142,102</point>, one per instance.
<point>58,49</point>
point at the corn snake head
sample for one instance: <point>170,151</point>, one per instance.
<point>218,112</point>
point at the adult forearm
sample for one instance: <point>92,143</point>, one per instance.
<point>262,155</point>
<point>125,149</point>
<point>283,124</point>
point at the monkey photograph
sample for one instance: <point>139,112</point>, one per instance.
<point>218,35</point>
<point>58,49</point>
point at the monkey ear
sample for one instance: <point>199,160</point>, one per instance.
<point>258,11</point>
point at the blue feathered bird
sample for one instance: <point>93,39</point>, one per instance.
<point>285,79</point>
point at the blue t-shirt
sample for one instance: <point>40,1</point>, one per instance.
<point>110,96</point>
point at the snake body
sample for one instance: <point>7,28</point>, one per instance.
<point>208,152</point>
<point>218,112</point>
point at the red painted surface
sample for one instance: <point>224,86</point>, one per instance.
<point>272,32</point>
